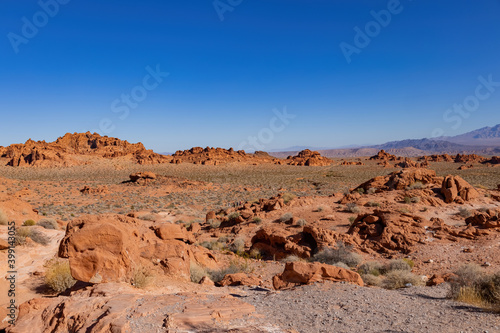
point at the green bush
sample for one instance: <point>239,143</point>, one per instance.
<point>58,275</point>
<point>257,220</point>
<point>29,223</point>
<point>233,216</point>
<point>370,268</point>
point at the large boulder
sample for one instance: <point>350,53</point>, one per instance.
<point>400,180</point>
<point>298,273</point>
<point>455,188</point>
<point>485,219</point>
<point>110,248</point>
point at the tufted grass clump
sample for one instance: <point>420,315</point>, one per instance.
<point>213,223</point>
<point>464,212</point>
<point>197,272</point>
<point>58,275</point>
<point>141,277</point>
<point>341,253</point>
<point>352,207</point>
<point>29,223</point>
<point>234,267</point>
<point>400,279</point>
<point>35,235</point>
<point>371,268</point>
<point>286,217</point>
<point>48,224</point>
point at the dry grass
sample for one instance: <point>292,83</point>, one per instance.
<point>340,254</point>
<point>58,275</point>
<point>3,218</point>
<point>141,277</point>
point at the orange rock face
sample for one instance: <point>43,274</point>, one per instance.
<point>298,273</point>
<point>384,156</point>
<point>217,156</point>
<point>64,150</point>
<point>399,180</point>
<point>308,158</point>
<point>455,188</point>
<point>109,248</point>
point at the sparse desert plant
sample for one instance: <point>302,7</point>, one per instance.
<point>213,223</point>
<point>373,204</point>
<point>396,265</point>
<point>213,246</point>
<point>35,235</point>
<point>287,197</point>
<point>301,222</point>
<point>48,224</point>
<point>371,190</point>
<point>410,262</point>
<point>257,220</point>
<point>341,253</point>
<point>467,276</point>
<point>372,280</point>
<point>407,200</point>
<point>238,246</point>
<point>58,275</point>
<point>233,216</point>
<point>360,190</point>
<point>29,223</point>
<point>351,220</point>
<point>416,186</point>
<point>400,278</point>
<point>286,217</point>
<point>464,212</point>
<point>370,268</point>
<point>352,207</point>
<point>197,272</point>
<point>141,277</point>
<point>341,265</point>
<point>148,217</point>
<point>3,218</point>
<point>255,254</point>
<point>415,199</point>
<point>234,267</point>
<point>291,258</point>
<point>319,209</point>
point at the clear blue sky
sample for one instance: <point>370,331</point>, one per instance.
<point>226,76</point>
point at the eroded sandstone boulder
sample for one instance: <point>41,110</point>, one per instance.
<point>455,188</point>
<point>299,273</point>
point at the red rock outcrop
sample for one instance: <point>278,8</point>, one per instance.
<point>487,219</point>
<point>352,163</point>
<point>409,163</point>
<point>437,158</point>
<point>472,158</point>
<point>299,273</point>
<point>399,180</point>
<point>142,178</point>
<point>239,279</point>
<point>64,151</point>
<point>308,158</point>
<point>217,156</point>
<point>120,308</point>
<point>493,160</point>
<point>98,190</point>
<point>385,231</point>
<point>456,189</point>
<point>109,248</point>
<point>383,155</point>
<point>465,167</point>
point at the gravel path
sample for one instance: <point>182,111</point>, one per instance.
<point>346,308</point>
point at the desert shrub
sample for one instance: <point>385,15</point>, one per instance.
<point>213,223</point>
<point>141,277</point>
<point>213,246</point>
<point>360,190</point>
<point>238,246</point>
<point>301,222</point>
<point>255,254</point>
<point>29,223</point>
<point>352,207</point>
<point>58,275</point>
<point>148,217</point>
<point>407,200</point>
<point>415,199</point>
<point>291,258</point>
<point>464,212</point>
<point>341,265</point>
<point>396,265</point>
<point>287,197</point>
<point>370,268</point>
<point>371,190</point>
<point>399,279</point>
<point>319,209</point>
<point>257,220</point>
<point>35,235</point>
<point>416,186</point>
<point>233,216</point>
<point>197,272</point>
<point>372,280</point>
<point>234,267</point>
<point>48,224</point>
<point>352,219</point>
<point>3,218</point>
<point>404,210</point>
<point>286,217</point>
<point>410,262</point>
<point>373,204</point>
<point>472,285</point>
<point>469,276</point>
<point>342,254</point>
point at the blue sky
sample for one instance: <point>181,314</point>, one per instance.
<point>225,77</point>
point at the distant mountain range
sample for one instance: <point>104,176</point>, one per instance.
<point>484,141</point>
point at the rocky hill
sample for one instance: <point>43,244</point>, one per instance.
<point>217,156</point>
<point>66,150</point>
